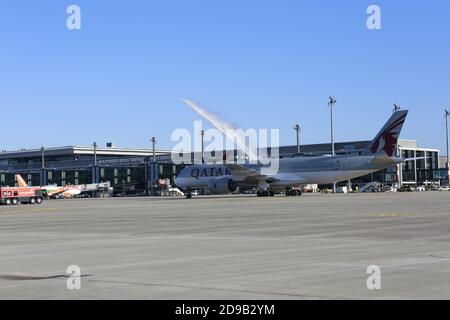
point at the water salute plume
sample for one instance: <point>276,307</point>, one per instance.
<point>227,129</point>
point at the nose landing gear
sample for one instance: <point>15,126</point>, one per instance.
<point>187,194</point>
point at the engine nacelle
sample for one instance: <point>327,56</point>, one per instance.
<point>222,186</point>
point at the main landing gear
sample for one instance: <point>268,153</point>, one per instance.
<point>265,193</point>
<point>293,192</point>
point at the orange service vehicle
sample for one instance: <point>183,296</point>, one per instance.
<point>16,195</point>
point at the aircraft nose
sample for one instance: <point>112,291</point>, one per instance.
<point>181,178</point>
<point>178,181</point>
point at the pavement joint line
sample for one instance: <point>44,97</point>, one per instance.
<point>212,288</point>
<point>312,246</point>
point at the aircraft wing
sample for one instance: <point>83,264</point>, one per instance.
<point>249,175</point>
<point>53,190</point>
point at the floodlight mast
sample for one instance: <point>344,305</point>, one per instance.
<point>446,115</point>
<point>202,134</point>
<point>331,103</point>
<point>298,130</point>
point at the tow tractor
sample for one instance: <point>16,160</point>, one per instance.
<point>294,191</point>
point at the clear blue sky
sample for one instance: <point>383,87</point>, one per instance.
<point>259,64</point>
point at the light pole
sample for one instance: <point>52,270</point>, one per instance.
<point>202,134</point>
<point>397,151</point>
<point>298,130</point>
<point>153,141</point>
<point>43,157</point>
<point>43,166</point>
<point>331,103</point>
<point>95,153</point>
<point>153,171</point>
<point>447,114</point>
<point>95,178</point>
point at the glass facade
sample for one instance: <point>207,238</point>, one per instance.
<point>135,172</point>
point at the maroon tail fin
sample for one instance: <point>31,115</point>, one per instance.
<point>385,141</point>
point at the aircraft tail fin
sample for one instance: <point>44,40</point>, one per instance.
<point>385,142</point>
<point>20,181</point>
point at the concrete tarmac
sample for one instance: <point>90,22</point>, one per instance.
<point>231,247</point>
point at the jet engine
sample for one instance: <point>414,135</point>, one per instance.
<point>222,186</point>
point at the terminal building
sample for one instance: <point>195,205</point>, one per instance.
<point>126,169</point>
<point>138,170</point>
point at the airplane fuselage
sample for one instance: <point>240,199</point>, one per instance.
<point>292,171</point>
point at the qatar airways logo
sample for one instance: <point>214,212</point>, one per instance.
<point>387,140</point>
<point>210,172</point>
<point>251,146</point>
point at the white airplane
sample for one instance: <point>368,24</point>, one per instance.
<point>225,178</point>
<point>53,190</point>
<point>68,191</point>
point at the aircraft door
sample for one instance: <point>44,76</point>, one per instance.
<point>341,164</point>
